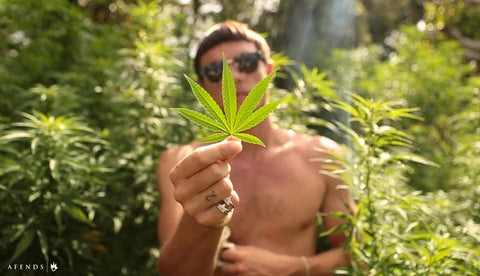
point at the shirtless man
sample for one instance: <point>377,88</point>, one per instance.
<point>276,191</point>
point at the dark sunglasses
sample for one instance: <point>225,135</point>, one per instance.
<point>245,63</point>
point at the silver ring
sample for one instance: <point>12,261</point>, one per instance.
<point>226,205</point>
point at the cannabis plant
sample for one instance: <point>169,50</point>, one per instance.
<point>50,190</point>
<point>230,122</point>
<point>396,230</point>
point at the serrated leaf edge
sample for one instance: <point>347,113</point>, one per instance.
<point>207,102</point>
<point>252,100</point>
<point>249,138</point>
<point>199,119</point>
<point>258,116</point>
<point>216,137</point>
<point>229,95</point>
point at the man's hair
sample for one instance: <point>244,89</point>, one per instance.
<point>229,30</point>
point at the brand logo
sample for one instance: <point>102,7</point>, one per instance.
<point>32,267</point>
<point>26,267</point>
<point>53,266</point>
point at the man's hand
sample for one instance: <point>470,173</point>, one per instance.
<point>255,261</point>
<point>201,181</point>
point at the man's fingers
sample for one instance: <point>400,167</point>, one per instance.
<point>213,217</point>
<point>230,265</point>
<point>201,180</point>
<point>209,198</point>
<point>201,183</point>
<point>229,255</point>
<point>229,269</point>
<point>204,156</point>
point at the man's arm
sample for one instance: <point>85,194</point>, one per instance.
<point>336,200</point>
<point>251,260</point>
<point>190,226</point>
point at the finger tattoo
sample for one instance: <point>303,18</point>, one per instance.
<point>210,196</point>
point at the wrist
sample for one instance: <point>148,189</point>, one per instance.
<point>297,266</point>
<point>190,223</point>
<point>306,265</point>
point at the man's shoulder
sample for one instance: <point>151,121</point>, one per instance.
<point>314,142</point>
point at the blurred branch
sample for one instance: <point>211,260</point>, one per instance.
<point>472,2</point>
<point>472,46</point>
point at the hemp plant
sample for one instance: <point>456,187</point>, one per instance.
<point>395,230</point>
<point>230,122</point>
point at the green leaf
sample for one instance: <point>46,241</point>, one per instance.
<point>200,119</point>
<point>230,122</point>
<point>252,100</point>
<point>23,244</point>
<point>207,102</point>
<point>57,212</point>
<point>216,137</point>
<point>229,95</point>
<point>15,135</point>
<point>43,243</point>
<point>258,116</point>
<point>77,213</point>
<point>415,158</point>
<point>339,228</point>
<point>249,138</point>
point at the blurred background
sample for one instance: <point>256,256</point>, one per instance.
<point>85,92</point>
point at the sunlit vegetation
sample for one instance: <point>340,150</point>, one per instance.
<point>86,89</point>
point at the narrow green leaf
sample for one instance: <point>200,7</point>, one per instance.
<point>216,137</point>
<point>249,138</point>
<point>415,158</point>
<point>57,212</point>
<point>200,119</point>
<point>347,108</point>
<point>77,214</point>
<point>229,95</point>
<point>339,228</point>
<point>258,116</point>
<point>43,244</point>
<point>19,233</point>
<point>207,102</point>
<point>23,244</point>
<point>15,135</point>
<point>252,100</point>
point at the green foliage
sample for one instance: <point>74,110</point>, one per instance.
<point>399,230</point>
<point>53,169</point>
<point>230,122</point>
<point>396,230</point>
<point>428,73</point>
<point>78,189</point>
<point>307,108</point>
<point>85,91</point>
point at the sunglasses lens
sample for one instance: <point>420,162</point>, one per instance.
<point>247,63</point>
<point>213,71</point>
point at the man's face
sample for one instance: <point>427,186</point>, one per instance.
<point>244,82</point>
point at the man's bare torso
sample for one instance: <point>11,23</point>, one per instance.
<point>281,191</point>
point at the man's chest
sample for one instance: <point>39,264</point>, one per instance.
<point>275,195</point>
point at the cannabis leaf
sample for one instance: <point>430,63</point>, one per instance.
<point>230,122</point>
